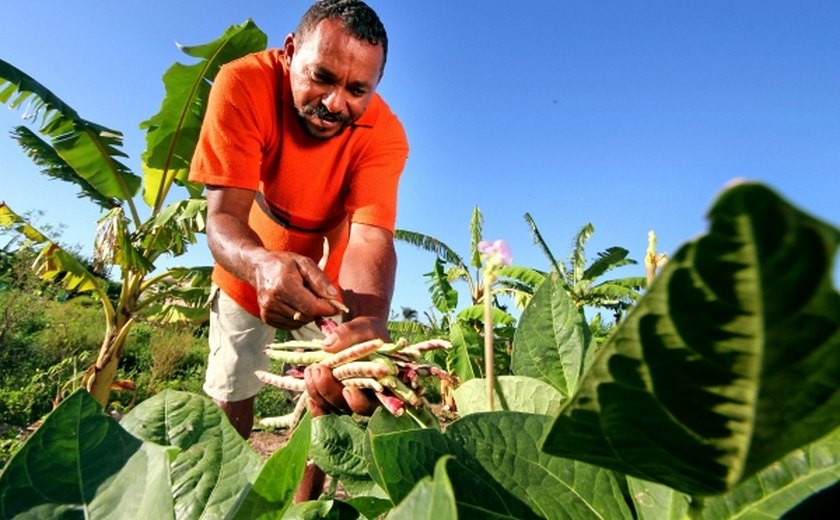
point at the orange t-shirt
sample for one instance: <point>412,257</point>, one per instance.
<point>306,189</point>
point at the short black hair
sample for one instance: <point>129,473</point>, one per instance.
<point>356,16</point>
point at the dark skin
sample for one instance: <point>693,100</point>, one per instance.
<point>332,69</point>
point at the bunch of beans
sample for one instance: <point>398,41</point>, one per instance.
<point>395,372</point>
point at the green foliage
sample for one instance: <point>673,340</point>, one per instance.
<point>81,152</point>
<point>716,397</point>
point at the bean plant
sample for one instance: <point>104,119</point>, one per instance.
<point>717,397</point>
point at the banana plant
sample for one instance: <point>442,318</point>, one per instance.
<point>582,282</point>
<point>70,148</point>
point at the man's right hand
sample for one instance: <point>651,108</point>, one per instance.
<point>291,289</point>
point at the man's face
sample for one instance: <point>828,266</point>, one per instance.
<point>333,77</point>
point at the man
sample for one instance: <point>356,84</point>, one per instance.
<point>297,148</point>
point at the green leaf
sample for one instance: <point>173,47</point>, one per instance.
<point>728,363</point>
<point>214,463</point>
<point>476,313</point>
<point>558,267</point>
<point>325,508</point>
<point>81,463</point>
<point>90,150</point>
<point>172,133</point>
<point>476,223</point>
<point>498,470</point>
<point>338,446</point>
<point>430,498</point>
<point>552,341</point>
<point>466,346</point>
<point>52,165</point>
<point>781,486</point>
<point>430,244</point>
<point>513,393</point>
<point>658,502</point>
<point>444,297</point>
<point>607,260</point>
<point>274,489</point>
<point>53,262</point>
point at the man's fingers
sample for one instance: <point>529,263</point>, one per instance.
<point>360,401</point>
<point>355,331</point>
<point>325,391</point>
<point>317,280</point>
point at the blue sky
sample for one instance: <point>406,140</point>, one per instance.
<point>628,115</point>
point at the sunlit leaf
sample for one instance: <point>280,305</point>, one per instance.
<point>91,151</point>
<point>513,393</point>
<point>552,341</point>
<point>172,133</point>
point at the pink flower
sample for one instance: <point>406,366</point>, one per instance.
<point>497,252</point>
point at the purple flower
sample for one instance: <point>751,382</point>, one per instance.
<point>497,252</point>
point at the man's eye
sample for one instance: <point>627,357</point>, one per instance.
<point>358,92</point>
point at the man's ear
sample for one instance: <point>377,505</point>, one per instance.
<point>289,48</point>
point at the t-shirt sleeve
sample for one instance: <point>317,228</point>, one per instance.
<point>228,152</point>
<point>375,181</point>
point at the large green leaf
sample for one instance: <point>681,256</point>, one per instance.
<point>90,150</point>
<point>770,493</point>
<point>274,489</point>
<point>513,393</point>
<point>730,361</point>
<point>172,133</point>
<point>781,486</point>
<point>497,470</point>
<point>214,463</point>
<point>81,464</point>
<point>430,244</point>
<point>430,498</point>
<point>552,340</point>
<point>338,446</point>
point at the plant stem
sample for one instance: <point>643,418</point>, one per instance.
<point>488,342</point>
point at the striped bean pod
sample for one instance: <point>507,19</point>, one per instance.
<point>353,353</point>
<point>362,369</point>
<point>293,357</point>
<point>293,384</point>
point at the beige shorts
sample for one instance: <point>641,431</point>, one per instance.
<point>237,340</point>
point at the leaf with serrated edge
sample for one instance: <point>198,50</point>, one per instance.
<point>729,362</point>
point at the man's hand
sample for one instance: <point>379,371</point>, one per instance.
<point>291,289</point>
<point>326,393</point>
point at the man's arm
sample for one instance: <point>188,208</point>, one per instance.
<point>286,283</point>
<point>367,281</point>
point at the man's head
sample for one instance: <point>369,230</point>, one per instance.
<point>336,58</point>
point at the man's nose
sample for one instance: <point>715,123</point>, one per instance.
<point>334,101</point>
